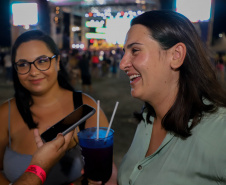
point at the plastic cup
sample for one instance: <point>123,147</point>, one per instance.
<point>97,153</point>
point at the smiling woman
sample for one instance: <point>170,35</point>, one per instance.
<point>43,96</point>
<point>37,78</point>
<point>181,136</point>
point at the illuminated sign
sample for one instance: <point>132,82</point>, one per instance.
<point>116,29</point>
<point>25,13</point>
<point>101,30</point>
<point>194,10</point>
<point>95,36</point>
<point>95,24</point>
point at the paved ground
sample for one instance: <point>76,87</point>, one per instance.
<point>108,91</point>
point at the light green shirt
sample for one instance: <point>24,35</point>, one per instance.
<point>198,160</point>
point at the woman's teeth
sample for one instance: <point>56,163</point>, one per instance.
<point>132,77</point>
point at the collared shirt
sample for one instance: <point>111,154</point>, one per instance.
<point>198,160</point>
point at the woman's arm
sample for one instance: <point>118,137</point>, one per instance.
<point>4,139</point>
<point>28,179</point>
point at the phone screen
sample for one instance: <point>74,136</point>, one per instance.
<point>68,123</point>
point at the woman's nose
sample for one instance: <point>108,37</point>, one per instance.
<point>124,64</point>
<point>34,70</point>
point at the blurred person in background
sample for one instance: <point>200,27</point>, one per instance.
<point>8,68</point>
<point>220,67</point>
<point>43,96</point>
<point>105,65</point>
<point>73,68</point>
<point>95,64</point>
<point>1,61</point>
<point>84,66</point>
<point>182,131</point>
<point>64,57</point>
<point>118,58</point>
<point>114,66</point>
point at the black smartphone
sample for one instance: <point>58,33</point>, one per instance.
<point>68,123</point>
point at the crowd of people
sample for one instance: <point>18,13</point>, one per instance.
<point>220,63</point>
<point>6,66</point>
<point>83,65</point>
<point>182,131</point>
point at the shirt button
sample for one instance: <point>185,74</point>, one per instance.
<point>130,182</point>
<point>139,167</point>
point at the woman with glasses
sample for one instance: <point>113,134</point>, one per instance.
<point>42,97</point>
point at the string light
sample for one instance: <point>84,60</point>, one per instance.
<point>107,14</point>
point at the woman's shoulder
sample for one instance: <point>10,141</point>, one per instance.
<point>87,99</point>
<point>4,107</point>
<point>212,129</point>
<point>4,111</point>
<point>216,118</point>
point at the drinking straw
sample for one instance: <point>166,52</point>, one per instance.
<point>98,113</point>
<point>112,117</point>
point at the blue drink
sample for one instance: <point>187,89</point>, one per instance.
<point>97,153</point>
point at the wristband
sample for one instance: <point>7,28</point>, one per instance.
<point>37,171</point>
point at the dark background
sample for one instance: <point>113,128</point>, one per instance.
<point>219,25</point>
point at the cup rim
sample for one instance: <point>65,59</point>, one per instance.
<point>111,132</point>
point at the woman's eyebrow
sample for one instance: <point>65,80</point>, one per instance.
<point>41,56</point>
<point>130,45</point>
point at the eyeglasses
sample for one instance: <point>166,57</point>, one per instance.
<point>43,63</point>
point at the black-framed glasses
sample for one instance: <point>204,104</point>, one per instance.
<point>42,63</point>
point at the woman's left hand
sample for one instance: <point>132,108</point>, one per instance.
<point>112,180</point>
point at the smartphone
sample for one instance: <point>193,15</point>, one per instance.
<point>68,123</point>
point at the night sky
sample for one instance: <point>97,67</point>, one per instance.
<point>219,25</point>
<point>4,23</point>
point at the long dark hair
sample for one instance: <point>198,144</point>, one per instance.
<point>22,95</point>
<point>197,81</point>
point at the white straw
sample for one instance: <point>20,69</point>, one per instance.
<point>77,129</point>
<point>98,113</point>
<point>112,117</point>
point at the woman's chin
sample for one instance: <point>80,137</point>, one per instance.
<point>134,94</point>
<point>138,95</point>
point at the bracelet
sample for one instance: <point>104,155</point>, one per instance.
<point>37,170</point>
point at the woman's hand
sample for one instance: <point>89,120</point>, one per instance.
<point>112,180</point>
<point>45,157</point>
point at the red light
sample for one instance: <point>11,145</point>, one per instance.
<point>90,14</point>
<point>91,41</point>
